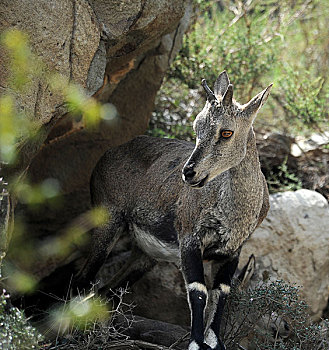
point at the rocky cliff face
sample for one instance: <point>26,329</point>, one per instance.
<point>118,51</point>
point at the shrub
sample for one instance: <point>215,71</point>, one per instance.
<point>92,323</point>
<point>15,331</point>
<point>232,40</point>
<point>283,179</point>
<point>303,99</point>
<point>271,316</point>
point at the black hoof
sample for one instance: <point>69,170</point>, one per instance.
<point>220,346</point>
<point>205,347</point>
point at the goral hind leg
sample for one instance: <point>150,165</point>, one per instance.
<point>104,238</point>
<point>135,267</point>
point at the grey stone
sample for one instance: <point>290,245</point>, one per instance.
<point>292,244</point>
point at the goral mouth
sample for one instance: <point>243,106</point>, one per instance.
<point>200,183</point>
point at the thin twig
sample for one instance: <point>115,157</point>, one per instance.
<point>298,13</point>
<point>180,340</point>
<point>150,346</point>
<point>241,347</point>
<point>135,345</point>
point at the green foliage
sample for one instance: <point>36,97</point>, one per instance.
<point>304,103</point>
<point>19,280</point>
<point>174,112</point>
<point>14,127</point>
<point>169,118</point>
<point>230,40</point>
<point>283,179</point>
<point>26,255</point>
<point>272,316</point>
<point>36,195</point>
<point>79,104</point>
<point>75,235</point>
<point>15,331</point>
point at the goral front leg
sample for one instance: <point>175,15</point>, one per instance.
<point>192,269</point>
<point>221,289</point>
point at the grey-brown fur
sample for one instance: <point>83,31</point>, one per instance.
<point>208,216</point>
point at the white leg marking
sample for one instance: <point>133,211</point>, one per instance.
<point>193,346</point>
<point>225,288</point>
<point>197,286</point>
<point>211,338</point>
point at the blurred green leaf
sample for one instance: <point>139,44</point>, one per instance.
<point>20,57</point>
<point>21,281</point>
<point>81,312</point>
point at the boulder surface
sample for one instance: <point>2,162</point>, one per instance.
<point>292,244</point>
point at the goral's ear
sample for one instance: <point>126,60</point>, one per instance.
<point>257,102</point>
<point>221,84</point>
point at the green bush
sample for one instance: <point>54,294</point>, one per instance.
<point>302,97</point>
<point>230,40</point>
<point>283,179</point>
<point>272,316</point>
<point>15,331</point>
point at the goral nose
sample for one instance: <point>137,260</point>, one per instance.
<point>188,173</point>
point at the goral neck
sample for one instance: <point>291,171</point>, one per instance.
<point>246,184</point>
<point>247,175</point>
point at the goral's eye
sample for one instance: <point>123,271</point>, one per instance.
<point>226,134</point>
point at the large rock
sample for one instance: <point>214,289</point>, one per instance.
<point>64,35</point>
<point>161,295</point>
<point>154,331</point>
<point>292,244</point>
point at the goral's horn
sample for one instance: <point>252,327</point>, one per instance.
<point>227,99</point>
<point>210,95</point>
